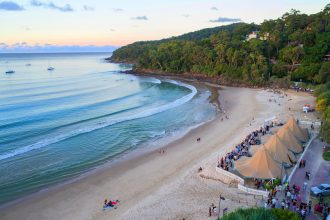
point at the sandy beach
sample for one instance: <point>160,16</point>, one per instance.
<point>168,186</point>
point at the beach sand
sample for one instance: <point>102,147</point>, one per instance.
<point>168,186</point>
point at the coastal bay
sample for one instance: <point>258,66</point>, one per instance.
<point>168,184</point>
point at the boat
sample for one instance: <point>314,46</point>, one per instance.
<point>50,68</point>
<point>28,64</point>
<point>9,71</point>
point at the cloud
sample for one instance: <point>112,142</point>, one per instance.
<point>3,45</point>
<point>51,5</point>
<point>224,19</point>
<point>10,6</point>
<point>112,30</point>
<point>214,8</point>
<point>186,15</point>
<point>88,8</point>
<point>23,47</point>
<point>140,18</point>
<point>118,9</point>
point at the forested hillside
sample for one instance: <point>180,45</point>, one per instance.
<point>294,47</point>
<point>132,52</point>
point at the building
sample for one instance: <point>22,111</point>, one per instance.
<point>257,35</point>
<point>252,35</point>
<point>327,57</point>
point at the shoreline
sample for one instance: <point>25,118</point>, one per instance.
<point>152,185</point>
<point>213,87</point>
<point>135,154</point>
<point>212,80</point>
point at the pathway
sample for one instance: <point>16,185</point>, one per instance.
<point>317,166</point>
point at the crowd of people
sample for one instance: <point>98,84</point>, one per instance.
<point>301,89</point>
<point>258,183</point>
<point>292,201</point>
<point>242,149</point>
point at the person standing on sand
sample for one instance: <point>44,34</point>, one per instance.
<point>215,210</point>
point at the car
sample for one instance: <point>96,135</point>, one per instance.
<point>321,190</point>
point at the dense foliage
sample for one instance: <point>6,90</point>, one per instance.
<point>326,155</point>
<point>323,105</point>
<point>290,48</point>
<point>133,52</point>
<point>261,214</point>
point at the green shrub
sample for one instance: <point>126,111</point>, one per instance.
<point>261,214</point>
<point>250,214</point>
<point>326,155</point>
<point>284,214</point>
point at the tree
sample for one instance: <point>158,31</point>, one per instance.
<point>223,50</point>
<point>291,54</point>
<point>321,105</point>
<point>324,74</point>
<point>279,70</point>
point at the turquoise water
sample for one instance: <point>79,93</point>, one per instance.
<point>58,124</point>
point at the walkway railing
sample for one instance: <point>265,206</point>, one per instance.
<point>240,182</point>
<point>230,175</point>
<point>309,122</point>
<point>253,191</point>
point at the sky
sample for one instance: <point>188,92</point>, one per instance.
<point>105,24</point>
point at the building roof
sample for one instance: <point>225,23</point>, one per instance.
<point>254,148</point>
<point>300,134</point>
<point>261,165</point>
<point>279,151</point>
<point>287,137</point>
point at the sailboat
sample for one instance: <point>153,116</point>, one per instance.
<point>9,71</point>
<point>50,68</point>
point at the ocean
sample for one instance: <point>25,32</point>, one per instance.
<point>57,125</point>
